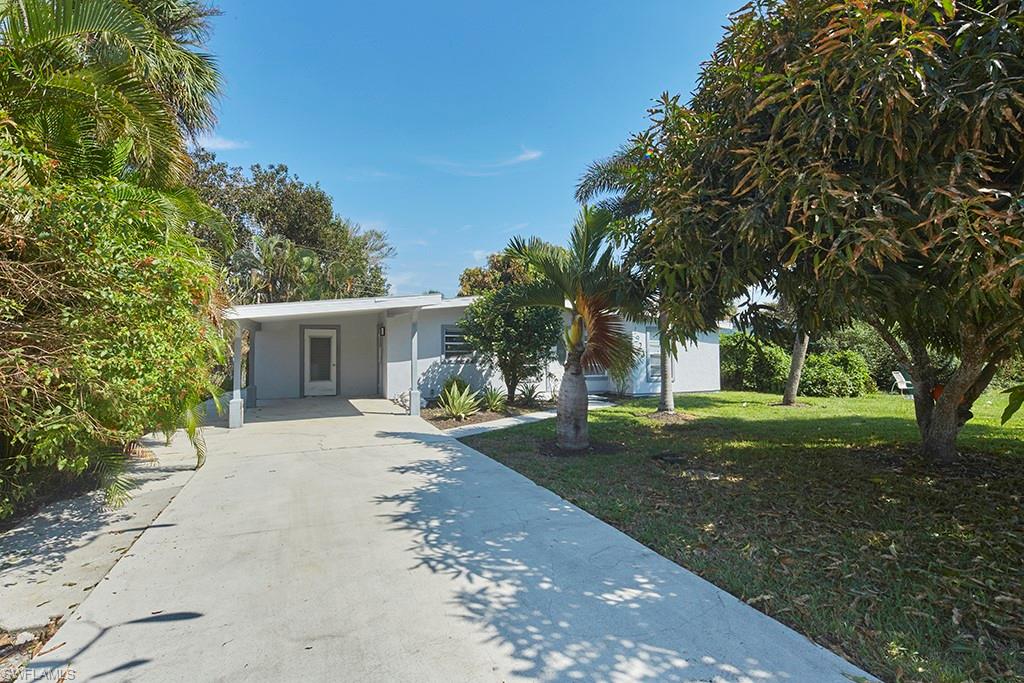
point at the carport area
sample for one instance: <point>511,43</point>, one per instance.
<point>334,539</point>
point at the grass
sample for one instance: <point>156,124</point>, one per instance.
<point>821,516</point>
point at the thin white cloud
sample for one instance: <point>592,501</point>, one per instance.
<point>400,282</point>
<point>524,156</point>
<point>518,227</point>
<point>216,143</point>
<point>481,170</point>
<point>364,174</point>
<point>480,255</point>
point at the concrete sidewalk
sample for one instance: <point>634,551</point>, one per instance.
<point>50,560</point>
<point>361,545</point>
<point>595,403</point>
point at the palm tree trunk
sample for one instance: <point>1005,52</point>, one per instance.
<point>667,402</point>
<point>796,367</point>
<point>571,428</point>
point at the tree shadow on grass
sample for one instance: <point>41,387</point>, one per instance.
<point>571,598</point>
<point>847,503</point>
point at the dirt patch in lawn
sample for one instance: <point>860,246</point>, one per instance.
<point>671,418</point>
<point>436,416</point>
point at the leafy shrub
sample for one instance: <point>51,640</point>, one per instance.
<point>752,364</point>
<point>841,373</point>
<point>529,395</point>
<point>864,340</point>
<point>518,340</point>
<point>454,381</point>
<point>1010,374</point>
<point>459,403</point>
<point>109,325</point>
<point>494,400</point>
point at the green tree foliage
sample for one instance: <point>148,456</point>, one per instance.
<point>110,326</point>
<point>109,308</point>
<point>598,290</point>
<point>519,341</point>
<point>291,244</point>
<point>862,159</point>
<point>77,77</point>
<point>865,341</point>
<point>753,363</point>
<point>503,270</point>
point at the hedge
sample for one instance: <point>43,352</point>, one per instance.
<point>749,363</point>
<point>752,364</point>
<point>110,327</point>
<point>841,373</point>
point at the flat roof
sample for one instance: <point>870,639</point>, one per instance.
<point>301,309</point>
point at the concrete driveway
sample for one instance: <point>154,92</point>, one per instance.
<point>345,542</point>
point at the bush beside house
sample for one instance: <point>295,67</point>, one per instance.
<point>841,373</point>
<point>753,364</point>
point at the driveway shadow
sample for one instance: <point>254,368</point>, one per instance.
<point>571,598</point>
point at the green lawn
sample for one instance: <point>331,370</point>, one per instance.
<point>821,516</point>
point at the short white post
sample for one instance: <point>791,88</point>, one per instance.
<point>414,353</point>
<point>236,407</point>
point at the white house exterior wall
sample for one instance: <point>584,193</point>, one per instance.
<point>277,358</point>
<point>696,366</point>
<point>432,367</point>
<point>278,355</point>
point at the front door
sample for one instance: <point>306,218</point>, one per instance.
<point>320,374</point>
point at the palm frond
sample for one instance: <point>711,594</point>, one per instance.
<point>608,344</point>
<point>33,23</point>
<point>110,467</point>
<point>551,262</point>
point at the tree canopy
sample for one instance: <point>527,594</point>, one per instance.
<point>290,242</point>
<point>109,307</point>
<point>519,341</point>
<point>862,159</point>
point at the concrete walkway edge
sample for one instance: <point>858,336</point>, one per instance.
<point>595,403</point>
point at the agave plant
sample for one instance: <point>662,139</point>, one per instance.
<point>459,403</point>
<point>495,400</point>
<point>529,394</point>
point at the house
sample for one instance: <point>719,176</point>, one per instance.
<point>404,348</point>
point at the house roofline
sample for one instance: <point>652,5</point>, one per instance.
<point>299,309</point>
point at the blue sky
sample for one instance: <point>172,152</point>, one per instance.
<point>450,125</point>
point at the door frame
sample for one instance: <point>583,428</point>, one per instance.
<point>302,357</point>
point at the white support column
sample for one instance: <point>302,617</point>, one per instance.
<point>250,379</point>
<point>414,371</point>
<point>236,407</point>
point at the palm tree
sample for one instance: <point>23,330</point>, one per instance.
<point>625,188</point>
<point>78,77</point>
<point>586,279</point>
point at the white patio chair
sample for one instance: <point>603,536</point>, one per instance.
<point>904,385</point>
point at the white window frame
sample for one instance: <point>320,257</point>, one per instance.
<point>653,350</point>
<point>454,330</point>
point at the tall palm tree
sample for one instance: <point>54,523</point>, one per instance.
<point>587,280</point>
<point>624,184</point>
